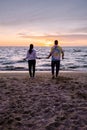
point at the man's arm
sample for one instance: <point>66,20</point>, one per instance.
<point>49,55</point>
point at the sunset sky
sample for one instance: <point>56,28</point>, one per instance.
<point>42,21</point>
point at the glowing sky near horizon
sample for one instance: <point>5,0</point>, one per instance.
<point>42,21</point>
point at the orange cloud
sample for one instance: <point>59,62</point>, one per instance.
<point>23,39</point>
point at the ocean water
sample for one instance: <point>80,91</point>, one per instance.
<point>11,59</point>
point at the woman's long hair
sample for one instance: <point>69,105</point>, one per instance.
<point>31,48</point>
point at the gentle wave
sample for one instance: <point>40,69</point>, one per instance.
<point>11,58</point>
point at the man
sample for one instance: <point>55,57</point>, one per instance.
<point>55,53</point>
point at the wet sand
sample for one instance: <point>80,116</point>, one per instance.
<point>43,103</point>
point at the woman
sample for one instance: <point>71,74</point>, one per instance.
<point>31,57</point>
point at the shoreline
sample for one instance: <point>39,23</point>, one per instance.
<point>61,71</point>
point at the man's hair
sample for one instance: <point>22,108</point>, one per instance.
<point>56,42</point>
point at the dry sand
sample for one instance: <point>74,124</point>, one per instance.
<point>42,103</point>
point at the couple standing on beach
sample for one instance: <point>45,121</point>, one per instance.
<point>55,53</point>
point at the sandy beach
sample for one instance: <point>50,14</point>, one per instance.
<point>43,103</point>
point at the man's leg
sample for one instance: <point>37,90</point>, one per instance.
<point>52,66</point>
<point>57,67</point>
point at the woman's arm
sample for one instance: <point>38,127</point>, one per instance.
<point>62,54</point>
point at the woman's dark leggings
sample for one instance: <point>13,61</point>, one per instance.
<point>31,66</point>
<point>57,64</point>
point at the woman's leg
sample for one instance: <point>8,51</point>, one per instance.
<point>29,67</point>
<point>34,64</point>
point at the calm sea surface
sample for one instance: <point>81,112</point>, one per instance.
<point>11,59</point>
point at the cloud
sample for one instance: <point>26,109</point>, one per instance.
<point>16,13</point>
<point>48,36</point>
<point>80,30</point>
